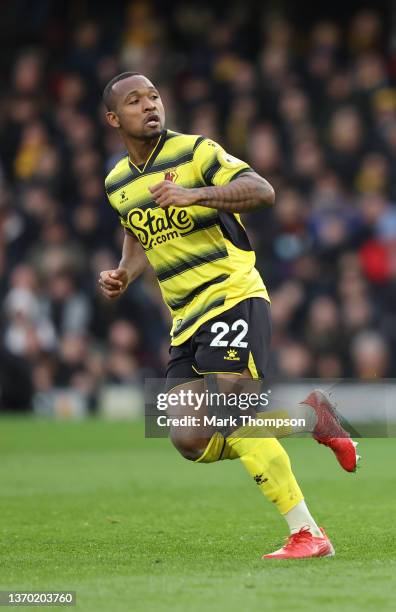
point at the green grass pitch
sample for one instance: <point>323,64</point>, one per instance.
<point>124,521</point>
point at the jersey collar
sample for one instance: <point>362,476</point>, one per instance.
<point>137,170</point>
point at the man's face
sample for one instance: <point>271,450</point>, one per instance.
<point>138,109</point>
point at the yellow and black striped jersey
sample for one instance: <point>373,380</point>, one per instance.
<point>202,257</point>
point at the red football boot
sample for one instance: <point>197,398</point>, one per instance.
<point>329,431</point>
<point>303,545</point>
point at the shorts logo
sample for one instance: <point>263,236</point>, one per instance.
<point>171,175</point>
<point>232,355</point>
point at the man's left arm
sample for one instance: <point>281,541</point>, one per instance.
<point>247,192</point>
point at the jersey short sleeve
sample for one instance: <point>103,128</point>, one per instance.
<point>214,165</point>
<point>121,219</point>
<point>125,225</point>
<point>116,175</point>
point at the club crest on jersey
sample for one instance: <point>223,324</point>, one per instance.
<point>171,175</point>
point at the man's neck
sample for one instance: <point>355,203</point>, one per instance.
<point>140,150</point>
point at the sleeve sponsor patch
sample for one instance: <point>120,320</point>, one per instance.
<point>228,161</point>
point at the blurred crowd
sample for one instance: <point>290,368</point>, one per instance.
<point>312,111</point>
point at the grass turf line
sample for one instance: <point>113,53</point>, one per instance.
<point>127,523</point>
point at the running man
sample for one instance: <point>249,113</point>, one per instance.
<point>179,199</point>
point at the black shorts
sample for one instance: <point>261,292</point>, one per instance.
<point>236,340</point>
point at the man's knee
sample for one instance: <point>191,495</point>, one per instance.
<point>190,448</point>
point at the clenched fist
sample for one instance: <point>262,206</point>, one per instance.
<point>113,282</point>
<point>167,194</point>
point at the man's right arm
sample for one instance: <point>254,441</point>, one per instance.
<point>113,283</point>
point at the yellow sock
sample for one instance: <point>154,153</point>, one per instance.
<point>269,465</point>
<point>213,451</point>
<point>270,430</point>
<point>265,460</point>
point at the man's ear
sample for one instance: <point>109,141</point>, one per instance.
<point>112,119</point>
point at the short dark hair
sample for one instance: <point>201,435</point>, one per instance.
<point>107,92</point>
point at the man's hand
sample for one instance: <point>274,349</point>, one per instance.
<point>167,194</point>
<point>113,282</point>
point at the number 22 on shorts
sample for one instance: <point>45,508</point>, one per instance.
<point>221,329</point>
